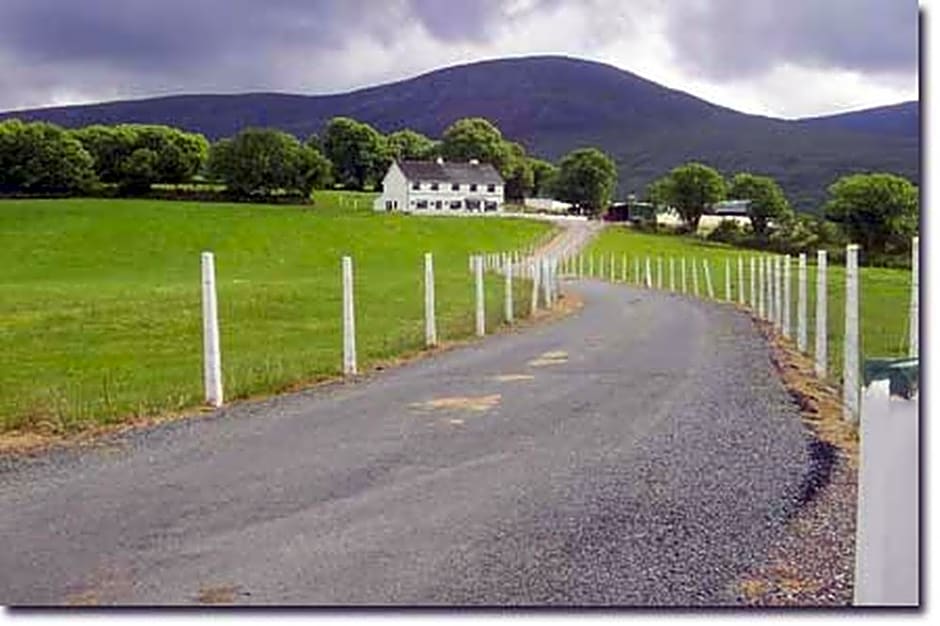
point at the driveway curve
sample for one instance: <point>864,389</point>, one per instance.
<point>639,452</point>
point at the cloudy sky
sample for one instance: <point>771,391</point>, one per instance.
<point>788,58</point>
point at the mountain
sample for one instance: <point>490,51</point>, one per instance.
<point>553,105</point>
<point>897,119</point>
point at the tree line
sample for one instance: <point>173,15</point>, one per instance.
<point>41,158</point>
<point>880,211</point>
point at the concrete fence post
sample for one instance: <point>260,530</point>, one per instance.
<point>480,295</point>
<point>534,270</point>
<point>820,353</point>
<point>727,279</point>
<point>761,267</point>
<point>507,302</point>
<point>685,282</point>
<point>649,275</point>
<point>349,320</point>
<point>787,282</point>
<point>740,280</point>
<point>706,271</point>
<point>801,326</point>
<point>695,290</point>
<point>672,274</point>
<point>212,357</point>
<point>850,345</point>
<point>430,321</point>
<point>913,344</point>
<point>753,276</point>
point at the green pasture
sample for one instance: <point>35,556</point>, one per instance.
<point>100,312</point>
<point>885,293</point>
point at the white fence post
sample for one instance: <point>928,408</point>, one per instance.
<point>546,282</point>
<point>695,290</point>
<point>801,305</point>
<point>349,320</point>
<point>480,294</point>
<point>727,279</point>
<point>913,347</point>
<point>623,268</point>
<point>822,327</point>
<point>706,270</point>
<point>672,274</point>
<point>753,284</point>
<point>430,320</point>
<point>685,282</point>
<point>649,275</point>
<point>612,275</point>
<point>887,528</point>
<point>212,357</point>
<point>787,262</point>
<point>740,280</point>
<point>591,265</point>
<point>761,267</point>
<point>850,346</point>
<point>508,295</point>
<point>581,265</point>
<point>659,272</point>
<point>636,270</point>
<point>771,290</point>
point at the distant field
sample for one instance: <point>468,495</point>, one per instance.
<point>885,293</point>
<point>100,314</point>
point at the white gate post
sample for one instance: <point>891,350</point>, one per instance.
<point>706,270</point>
<point>740,280</point>
<point>349,320</point>
<point>481,305</point>
<point>913,347</point>
<point>672,274</point>
<point>727,279</point>
<point>212,357</point>
<point>649,274</point>
<point>508,296</point>
<point>822,358</point>
<point>787,262</point>
<point>850,346</point>
<point>430,320</point>
<point>801,305</point>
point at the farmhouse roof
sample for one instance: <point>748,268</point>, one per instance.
<point>448,172</point>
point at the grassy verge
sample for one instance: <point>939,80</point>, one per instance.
<point>100,317</point>
<point>885,293</point>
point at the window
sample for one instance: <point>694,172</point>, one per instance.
<point>491,188</point>
<point>416,185</point>
<point>491,206</point>
<point>455,187</point>
<point>438,205</point>
<point>473,205</point>
<point>455,204</point>
<point>434,187</point>
<point>473,187</point>
<point>388,205</point>
<point>422,204</point>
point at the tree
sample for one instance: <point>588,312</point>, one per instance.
<point>476,138</point>
<point>690,189</point>
<point>586,177</point>
<point>264,161</point>
<point>359,153</point>
<point>544,175</point>
<point>878,211</point>
<point>39,157</point>
<point>766,199</point>
<point>517,172</point>
<point>410,145</point>
<point>108,146</point>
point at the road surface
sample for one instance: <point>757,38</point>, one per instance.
<point>639,452</point>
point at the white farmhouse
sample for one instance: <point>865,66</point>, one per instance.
<point>439,186</point>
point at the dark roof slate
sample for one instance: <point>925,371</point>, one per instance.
<point>448,172</point>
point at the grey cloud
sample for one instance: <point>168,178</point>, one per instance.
<point>738,39</point>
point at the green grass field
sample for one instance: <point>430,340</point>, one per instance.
<point>100,314</point>
<point>885,293</point>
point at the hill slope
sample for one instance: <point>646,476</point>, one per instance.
<point>553,105</point>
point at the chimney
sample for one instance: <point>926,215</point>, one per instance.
<point>474,162</point>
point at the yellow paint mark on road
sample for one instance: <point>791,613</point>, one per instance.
<point>221,594</point>
<point>509,378</point>
<point>556,357</point>
<point>85,598</point>
<point>468,403</point>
